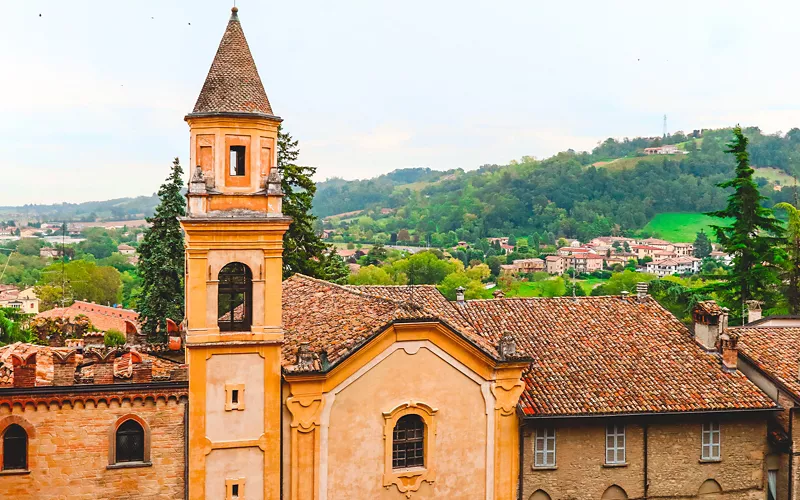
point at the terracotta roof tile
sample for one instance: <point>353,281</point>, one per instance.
<point>103,318</point>
<point>336,320</point>
<point>233,84</point>
<point>608,355</point>
<point>774,350</point>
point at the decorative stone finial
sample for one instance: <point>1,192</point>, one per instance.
<point>507,347</point>
<point>305,358</point>
<point>274,183</point>
<point>197,184</point>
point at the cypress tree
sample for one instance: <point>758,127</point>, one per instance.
<point>702,246</point>
<point>161,260</point>
<point>790,275</point>
<point>753,237</point>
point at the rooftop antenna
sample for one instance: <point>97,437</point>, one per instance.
<point>665,127</point>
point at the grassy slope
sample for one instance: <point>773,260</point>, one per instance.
<point>680,226</point>
<point>630,162</point>
<point>773,174</point>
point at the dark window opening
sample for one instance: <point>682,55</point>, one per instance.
<point>237,160</point>
<point>130,442</point>
<point>15,448</point>
<point>235,491</point>
<point>235,396</point>
<point>408,442</point>
<point>235,298</point>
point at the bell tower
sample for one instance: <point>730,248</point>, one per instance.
<point>234,244</point>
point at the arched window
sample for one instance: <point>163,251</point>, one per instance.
<point>235,298</point>
<point>408,442</point>
<point>15,448</point>
<point>130,442</point>
<point>614,492</point>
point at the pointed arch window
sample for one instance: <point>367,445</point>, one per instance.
<point>235,298</point>
<point>15,448</point>
<point>130,442</point>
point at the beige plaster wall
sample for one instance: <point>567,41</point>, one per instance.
<point>235,425</point>
<point>355,438</point>
<point>235,463</point>
<point>674,466</point>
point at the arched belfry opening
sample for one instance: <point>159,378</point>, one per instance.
<point>235,298</point>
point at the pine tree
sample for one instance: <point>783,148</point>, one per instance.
<point>161,260</point>
<point>702,245</point>
<point>752,238</point>
<point>303,250</point>
<point>790,275</point>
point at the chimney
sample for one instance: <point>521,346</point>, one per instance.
<point>709,322</point>
<point>24,370</point>
<point>460,294</point>
<point>64,364</point>
<point>641,291</point>
<point>730,352</point>
<point>624,294</point>
<point>753,310</point>
<point>498,294</point>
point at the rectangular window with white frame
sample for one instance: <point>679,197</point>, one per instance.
<point>544,447</point>
<point>711,441</point>
<point>615,444</point>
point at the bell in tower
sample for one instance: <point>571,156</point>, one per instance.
<point>234,245</point>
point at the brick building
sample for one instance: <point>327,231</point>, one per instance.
<point>91,424</point>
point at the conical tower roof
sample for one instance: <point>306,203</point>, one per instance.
<point>233,85</point>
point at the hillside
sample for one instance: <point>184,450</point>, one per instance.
<point>680,226</point>
<point>613,188</point>
<point>572,194</point>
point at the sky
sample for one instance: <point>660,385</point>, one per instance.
<point>93,94</point>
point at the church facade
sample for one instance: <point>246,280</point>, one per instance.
<point>307,390</point>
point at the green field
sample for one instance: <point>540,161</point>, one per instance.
<point>681,226</point>
<point>628,163</point>
<point>548,288</point>
<point>774,175</point>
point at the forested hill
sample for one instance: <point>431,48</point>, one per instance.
<point>571,194</point>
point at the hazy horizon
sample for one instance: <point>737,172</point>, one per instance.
<point>96,92</point>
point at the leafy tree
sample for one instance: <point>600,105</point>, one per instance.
<point>512,240</point>
<point>78,280</point>
<point>702,245</point>
<point>29,246</point>
<point>114,338</point>
<point>752,238</point>
<point>161,259</point>
<point>99,244</point>
<point>10,330</point>
<point>790,276</point>
<point>424,268</point>
<point>303,249</point>
<point>376,255</point>
<point>334,268</point>
<point>371,275</point>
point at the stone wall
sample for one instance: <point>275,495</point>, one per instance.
<point>674,467</point>
<point>68,454</point>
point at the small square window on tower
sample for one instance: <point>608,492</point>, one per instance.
<point>237,160</point>
<point>234,489</point>
<point>234,397</point>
